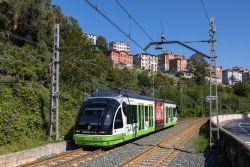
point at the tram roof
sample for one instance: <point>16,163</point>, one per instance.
<point>123,93</point>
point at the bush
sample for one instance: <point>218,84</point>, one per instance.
<point>200,143</point>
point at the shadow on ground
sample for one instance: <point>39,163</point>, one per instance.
<point>213,156</point>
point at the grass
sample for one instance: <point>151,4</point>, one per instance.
<point>200,143</point>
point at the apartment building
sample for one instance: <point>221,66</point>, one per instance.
<point>119,46</point>
<point>232,76</point>
<point>218,75</point>
<point>146,61</point>
<point>177,64</point>
<point>246,75</point>
<point>92,38</point>
<point>120,58</point>
<point>164,60</point>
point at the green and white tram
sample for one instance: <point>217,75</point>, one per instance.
<point>111,117</point>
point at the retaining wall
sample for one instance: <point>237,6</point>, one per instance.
<point>234,148</point>
<point>22,157</point>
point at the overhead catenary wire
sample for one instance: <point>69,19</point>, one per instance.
<point>195,41</point>
<point>114,24</point>
<point>130,16</point>
<point>91,76</point>
<point>101,81</point>
<point>10,34</point>
<point>205,11</point>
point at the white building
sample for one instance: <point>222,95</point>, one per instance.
<point>146,62</point>
<point>246,75</point>
<point>92,38</point>
<point>119,46</point>
<point>232,76</point>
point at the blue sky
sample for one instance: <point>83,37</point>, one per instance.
<point>182,20</point>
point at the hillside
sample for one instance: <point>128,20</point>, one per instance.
<point>26,41</point>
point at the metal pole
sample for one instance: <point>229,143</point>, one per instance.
<point>213,74</point>
<point>152,68</point>
<point>211,103</point>
<point>238,105</point>
<point>202,110</point>
<point>54,88</point>
<point>57,80</point>
<point>182,114</point>
<point>220,106</point>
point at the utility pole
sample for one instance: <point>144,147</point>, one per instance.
<point>220,106</point>
<point>152,69</point>
<point>238,105</point>
<point>54,88</point>
<point>213,85</point>
<point>181,100</point>
<point>202,107</point>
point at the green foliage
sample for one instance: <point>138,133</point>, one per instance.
<point>24,106</point>
<point>143,79</point>
<point>102,41</point>
<point>29,19</point>
<point>30,63</point>
<point>200,143</point>
<point>242,89</point>
<point>22,109</point>
<point>198,66</point>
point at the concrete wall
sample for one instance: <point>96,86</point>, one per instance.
<point>223,118</point>
<point>22,157</point>
<point>234,148</point>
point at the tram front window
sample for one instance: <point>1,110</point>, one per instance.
<point>92,115</point>
<point>96,116</point>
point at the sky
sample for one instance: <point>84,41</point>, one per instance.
<point>182,20</point>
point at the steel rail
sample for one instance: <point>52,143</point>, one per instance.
<point>80,158</point>
<point>85,156</point>
<point>170,139</point>
<point>164,159</point>
<point>54,158</point>
<point>185,120</point>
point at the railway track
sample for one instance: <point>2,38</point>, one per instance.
<point>64,159</point>
<point>161,154</point>
<point>69,158</point>
<point>184,121</point>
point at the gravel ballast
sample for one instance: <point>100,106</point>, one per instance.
<point>121,154</point>
<point>185,157</point>
<point>188,157</point>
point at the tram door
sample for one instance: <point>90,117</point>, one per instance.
<point>141,116</point>
<point>118,123</point>
<point>146,117</point>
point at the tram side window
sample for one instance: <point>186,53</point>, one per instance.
<point>118,120</point>
<point>167,114</point>
<point>146,113</point>
<point>150,116</point>
<point>171,114</point>
<point>131,114</point>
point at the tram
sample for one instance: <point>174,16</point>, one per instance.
<point>110,117</point>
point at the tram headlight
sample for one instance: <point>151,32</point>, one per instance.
<point>101,132</point>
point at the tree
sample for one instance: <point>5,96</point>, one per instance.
<point>102,41</point>
<point>242,89</point>
<point>30,19</point>
<point>198,66</point>
<point>143,79</point>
